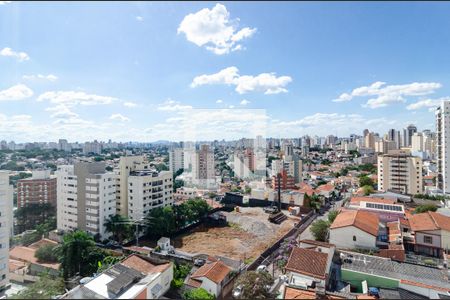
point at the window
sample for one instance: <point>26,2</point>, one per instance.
<point>354,238</point>
<point>428,239</point>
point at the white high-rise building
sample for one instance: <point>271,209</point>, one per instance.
<point>148,190</point>
<point>127,164</point>
<point>443,147</point>
<point>176,159</point>
<point>417,142</point>
<point>6,211</point>
<point>92,147</point>
<point>86,197</point>
<point>64,145</point>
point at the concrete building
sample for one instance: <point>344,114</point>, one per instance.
<point>407,135</point>
<point>63,145</point>
<point>148,190</point>
<point>127,164</point>
<point>92,147</point>
<point>401,172</point>
<point>384,146</point>
<point>6,215</point>
<point>417,142</point>
<point>39,189</point>
<point>86,197</point>
<point>442,149</point>
<point>369,140</point>
<point>394,136</point>
<point>203,168</point>
<point>244,163</point>
<point>176,159</point>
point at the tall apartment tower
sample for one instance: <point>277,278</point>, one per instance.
<point>127,164</point>
<point>394,135</point>
<point>6,213</point>
<point>86,197</point>
<point>407,135</point>
<point>401,172</point>
<point>148,190</point>
<point>39,189</point>
<point>176,159</point>
<point>203,168</point>
<point>442,146</point>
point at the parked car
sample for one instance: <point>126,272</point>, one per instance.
<point>199,262</point>
<point>237,292</point>
<point>261,268</point>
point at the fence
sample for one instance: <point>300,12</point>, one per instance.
<point>294,232</point>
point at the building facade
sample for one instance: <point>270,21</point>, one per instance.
<point>203,168</point>
<point>442,147</point>
<point>39,189</point>
<point>6,212</point>
<point>176,159</point>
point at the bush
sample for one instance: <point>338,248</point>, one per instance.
<point>198,294</point>
<point>46,254</point>
<point>365,180</point>
<point>424,208</point>
<point>319,230</point>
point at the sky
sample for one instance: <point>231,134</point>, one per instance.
<point>147,71</point>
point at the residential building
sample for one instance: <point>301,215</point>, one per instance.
<point>401,172</point>
<point>63,145</point>
<point>244,163</point>
<point>443,150</point>
<point>92,147</point>
<point>407,135</point>
<point>212,276</point>
<point>39,189</point>
<point>355,229</point>
<point>127,164</point>
<point>394,136</point>
<point>203,168</point>
<point>431,233</point>
<point>148,190</point>
<point>86,197</point>
<point>176,159</point>
<point>136,277</point>
<point>286,182</point>
<point>417,142</point>
<point>386,209</point>
<point>6,211</point>
<point>369,140</point>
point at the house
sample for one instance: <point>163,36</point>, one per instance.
<point>386,209</point>
<point>355,229</point>
<point>431,233</point>
<point>325,190</point>
<point>164,243</point>
<point>309,265</point>
<point>24,266</point>
<point>212,276</point>
<point>136,277</point>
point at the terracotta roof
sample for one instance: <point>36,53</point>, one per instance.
<point>15,265</point>
<point>26,254</point>
<point>429,221</point>
<point>366,221</point>
<point>317,243</point>
<point>144,266</point>
<point>308,262</point>
<point>419,284</point>
<point>41,243</point>
<point>325,187</point>
<point>194,283</point>
<point>216,271</point>
<point>357,200</point>
<point>291,293</point>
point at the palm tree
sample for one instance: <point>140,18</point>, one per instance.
<point>118,227</point>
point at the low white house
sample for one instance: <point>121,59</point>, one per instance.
<point>355,229</point>
<point>212,276</point>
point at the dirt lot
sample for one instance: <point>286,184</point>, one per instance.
<point>248,236</point>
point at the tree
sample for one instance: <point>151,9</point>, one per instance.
<point>254,285</point>
<point>365,180</point>
<point>367,189</point>
<point>45,287</point>
<point>78,254</point>
<point>332,216</point>
<point>116,225</point>
<point>314,202</point>
<point>107,262</point>
<point>198,294</point>
<point>46,254</point>
<point>319,230</point>
<point>161,221</point>
<point>424,208</point>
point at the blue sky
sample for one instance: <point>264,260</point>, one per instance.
<point>147,71</point>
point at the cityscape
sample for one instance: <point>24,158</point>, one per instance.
<point>203,150</point>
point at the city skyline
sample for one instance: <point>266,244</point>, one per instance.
<point>136,71</point>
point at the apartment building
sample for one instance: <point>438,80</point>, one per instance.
<point>176,159</point>
<point>86,197</point>
<point>442,149</point>
<point>148,190</point>
<point>92,147</point>
<point>401,172</point>
<point>6,212</point>
<point>203,168</point>
<point>39,189</point>
<point>127,164</point>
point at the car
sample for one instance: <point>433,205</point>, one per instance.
<point>237,292</point>
<point>199,262</point>
<point>261,268</point>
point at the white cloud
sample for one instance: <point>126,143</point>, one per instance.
<point>171,105</point>
<point>430,103</point>
<point>245,102</point>
<point>264,82</point>
<point>21,56</point>
<point>61,111</point>
<point>72,98</point>
<point>119,117</point>
<point>16,92</point>
<point>49,77</point>
<point>214,30</point>
<point>129,104</point>
<point>139,18</point>
<point>219,101</point>
<point>231,106</point>
<point>5,2</point>
<point>385,95</point>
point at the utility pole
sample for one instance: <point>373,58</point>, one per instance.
<point>279,191</point>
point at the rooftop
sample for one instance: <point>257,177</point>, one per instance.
<point>429,221</point>
<point>291,293</point>
<point>308,262</point>
<point>363,220</point>
<point>215,271</point>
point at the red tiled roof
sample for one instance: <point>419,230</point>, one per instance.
<point>325,187</point>
<point>216,271</point>
<point>291,293</point>
<point>26,254</point>
<point>308,262</point>
<point>318,243</point>
<point>419,284</point>
<point>41,243</point>
<point>357,200</point>
<point>429,221</point>
<point>144,266</point>
<point>366,221</point>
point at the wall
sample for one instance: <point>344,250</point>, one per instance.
<point>434,234</point>
<point>343,238</point>
<point>355,279</point>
